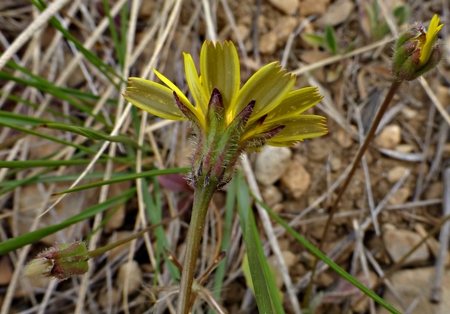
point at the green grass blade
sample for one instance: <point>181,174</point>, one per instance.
<point>229,211</point>
<point>51,89</point>
<point>128,177</point>
<point>95,60</point>
<point>329,262</point>
<point>154,213</point>
<point>56,140</point>
<point>266,293</point>
<point>92,134</point>
<point>28,238</point>
<point>20,119</point>
<point>15,184</point>
<point>54,112</point>
<point>114,34</point>
<point>54,179</point>
<point>45,163</point>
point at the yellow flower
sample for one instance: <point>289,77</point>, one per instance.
<point>275,103</point>
<point>430,39</point>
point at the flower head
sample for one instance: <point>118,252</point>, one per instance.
<point>228,119</point>
<point>417,51</point>
<point>61,261</point>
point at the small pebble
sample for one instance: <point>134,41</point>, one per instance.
<point>343,138</point>
<point>296,179</point>
<point>271,195</point>
<point>268,43</point>
<point>271,163</point>
<point>404,148</point>
<point>130,272</point>
<point>399,242</point>
<point>400,196</point>
<point>309,7</point>
<point>409,113</point>
<point>285,26</point>
<point>287,6</point>
<point>336,164</point>
<point>395,174</point>
<point>332,17</point>
<point>389,137</point>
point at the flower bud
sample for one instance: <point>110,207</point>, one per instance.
<point>417,51</point>
<point>61,261</point>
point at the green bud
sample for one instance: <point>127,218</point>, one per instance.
<point>417,51</point>
<point>61,261</point>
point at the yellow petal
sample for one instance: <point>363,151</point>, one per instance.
<point>197,112</point>
<point>153,97</point>
<point>195,86</point>
<point>433,30</point>
<point>219,67</point>
<point>298,128</point>
<point>295,103</point>
<point>268,87</point>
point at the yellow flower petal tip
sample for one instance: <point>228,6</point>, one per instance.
<point>430,39</point>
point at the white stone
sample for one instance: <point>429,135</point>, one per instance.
<point>271,163</point>
<point>399,242</point>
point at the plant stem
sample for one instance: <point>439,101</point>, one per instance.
<point>376,122</point>
<point>202,198</point>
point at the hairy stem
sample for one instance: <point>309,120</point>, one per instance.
<point>202,198</point>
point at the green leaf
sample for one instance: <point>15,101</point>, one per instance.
<point>30,237</point>
<point>128,177</point>
<point>63,178</point>
<point>90,133</point>
<point>45,163</point>
<point>330,39</point>
<point>314,40</point>
<point>266,293</point>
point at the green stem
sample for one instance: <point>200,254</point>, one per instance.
<point>202,198</point>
